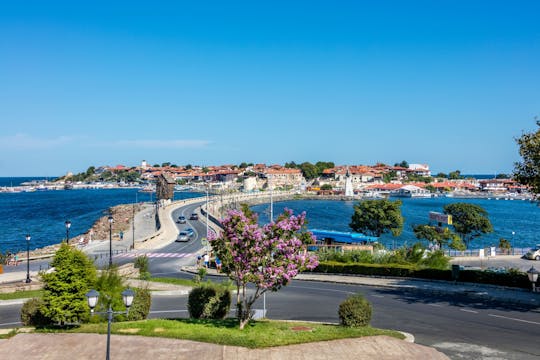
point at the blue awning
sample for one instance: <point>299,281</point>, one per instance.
<point>343,237</point>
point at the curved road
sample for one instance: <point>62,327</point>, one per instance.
<point>460,327</point>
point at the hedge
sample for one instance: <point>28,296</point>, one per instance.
<point>519,280</point>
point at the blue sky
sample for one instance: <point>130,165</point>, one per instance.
<point>448,83</point>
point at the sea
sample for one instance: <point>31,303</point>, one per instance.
<point>42,215</point>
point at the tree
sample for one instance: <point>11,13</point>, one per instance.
<point>291,165</point>
<point>323,165</point>
<point>166,164</point>
<point>404,164</point>
<point>267,257</point>
<point>441,236</point>
<point>309,170</point>
<point>243,165</point>
<point>441,175</point>
<point>65,288</point>
<point>469,220</point>
<point>455,175</point>
<point>326,187</point>
<point>377,217</point>
<point>188,167</point>
<point>90,171</point>
<point>527,172</point>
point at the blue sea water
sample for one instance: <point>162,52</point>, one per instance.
<point>42,213</point>
<point>506,216</point>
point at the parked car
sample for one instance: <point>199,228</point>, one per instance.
<point>183,236</point>
<point>181,220</point>
<point>194,217</point>
<point>533,254</point>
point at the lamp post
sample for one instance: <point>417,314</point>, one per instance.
<point>532,273</point>
<point>28,280</point>
<point>512,245</point>
<point>92,297</point>
<point>68,225</point>
<point>207,216</point>
<point>111,220</point>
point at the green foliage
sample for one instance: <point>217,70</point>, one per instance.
<point>355,311</point>
<point>32,313</point>
<point>110,285</point>
<point>403,164</point>
<point>389,176</point>
<point>377,217</point>
<point>440,235</point>
<point>201,274</point>
<point>420,178</point>
<point>527,172</point>
<point>309,170</point>
<point>65,288</point>
<point>326,187</point>
<point>441,175</point>
<point>469,220</point>
<point>140,308</point>
<point>455,175</point>
<point>141,263</point>
<point>209,301</point>
<point>435,260</point>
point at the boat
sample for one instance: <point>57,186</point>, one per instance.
<point>411,191</point>
<point>148,189</point>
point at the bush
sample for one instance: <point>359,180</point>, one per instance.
<point>140,308</point>
<point>355,311</point>
<point>435,260</point>
<point>209,302</point>
<point>141,263</point>
<point>32,314</point>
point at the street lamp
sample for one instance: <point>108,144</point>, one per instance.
<point>68,225</point>
<point>513,233</point>
<point>207,215</point>
<point>92,297</point>
<point>111,220</point>
<point>532,273</point>
<point>28,280</point>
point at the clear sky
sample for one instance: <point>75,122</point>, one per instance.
<point>447,83</point>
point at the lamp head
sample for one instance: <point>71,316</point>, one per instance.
<point>532,273</point>
<point>68,224</point>
<point>127,297</point>
<point>111,220</point>
<point>28,237</point>
<point>92,297</point>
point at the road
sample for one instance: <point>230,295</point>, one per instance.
<point>460,327</point>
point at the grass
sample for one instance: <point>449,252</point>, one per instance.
<point>174,281</point>
<point>257,334</point>
<point>22,294</point>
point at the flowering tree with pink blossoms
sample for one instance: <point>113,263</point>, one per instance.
<point>268,256</point>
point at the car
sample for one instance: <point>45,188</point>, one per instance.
<point>533,254</point>
<point>181,220</point>
<point>189,231</point>
<point>194,217</point>
<point>183,236</point>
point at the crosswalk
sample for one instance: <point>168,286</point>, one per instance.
<point>153,255</point>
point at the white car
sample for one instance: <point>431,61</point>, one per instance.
<point>533,254</point>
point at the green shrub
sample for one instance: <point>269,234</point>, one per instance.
<point>355,311</point>
<point>140,308</point>
<point>32,314</point>
<point>141,263</point>
<point>209,301</point>
<point>201,274</point>
<point>435,260</point>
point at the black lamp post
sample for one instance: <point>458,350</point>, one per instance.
<point>68,225</point>
<point>127,297</point>
<point>28,280</point>
<point>111,220</point>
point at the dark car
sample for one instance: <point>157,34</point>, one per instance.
<point>181,220</point>
<point>194,217</point>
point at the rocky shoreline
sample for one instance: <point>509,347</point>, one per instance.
<point>122,215</point>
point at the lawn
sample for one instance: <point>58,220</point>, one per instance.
<point>257,334</point>
<point>23,294</point>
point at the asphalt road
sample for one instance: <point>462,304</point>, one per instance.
<point>458,326</point>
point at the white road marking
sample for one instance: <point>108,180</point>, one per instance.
<point>436,305</point>
<point>469,311</point>
<point>378,296</point>
<point>12,323</point>
<point>166,311</point>
<point>510,318</point>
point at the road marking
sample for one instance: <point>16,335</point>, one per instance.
<point>510,318</point>
<point>167,311</point>
<point>378,296</point>
<point>12,323</point>
<point>469,311</point>
<point>154,255</point>
<point>436,305</point>
<point>322,289</point>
